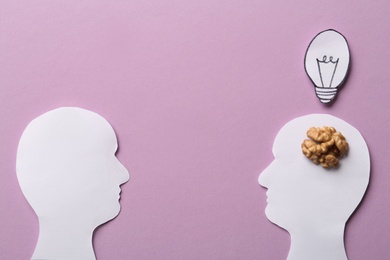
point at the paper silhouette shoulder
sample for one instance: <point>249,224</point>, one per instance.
<point>312,203</point>
<point>68,172</point>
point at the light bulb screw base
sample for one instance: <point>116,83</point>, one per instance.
<point>325,95</point>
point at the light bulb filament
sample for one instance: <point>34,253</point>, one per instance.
<point>327,70</point>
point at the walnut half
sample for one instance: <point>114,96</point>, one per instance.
<point>325,146</point>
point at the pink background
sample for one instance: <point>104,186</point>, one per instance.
<point>196,91</point>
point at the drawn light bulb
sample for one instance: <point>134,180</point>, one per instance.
<point>326,63</point>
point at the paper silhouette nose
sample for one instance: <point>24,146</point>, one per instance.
<point>265,176</point>
<point>122,173</point>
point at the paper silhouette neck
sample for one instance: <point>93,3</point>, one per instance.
<point>68,172</point>
<point>310,202</point>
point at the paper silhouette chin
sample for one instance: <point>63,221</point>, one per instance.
<point>310,202</point>
<point>68,172</point>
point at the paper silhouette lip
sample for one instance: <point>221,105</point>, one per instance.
<point>301,194</point>
<point>68,172</point>
<point>336,72</point>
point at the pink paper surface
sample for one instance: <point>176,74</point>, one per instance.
<point>196,92</point>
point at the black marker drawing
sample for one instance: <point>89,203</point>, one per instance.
<point>327,63</point>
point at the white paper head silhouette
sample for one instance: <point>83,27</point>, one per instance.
<point>68,172</point>
<point>310,202</point>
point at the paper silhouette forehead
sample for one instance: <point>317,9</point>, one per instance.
<point>298,182</point>
<point>67,131</point>
<point>66,151</point>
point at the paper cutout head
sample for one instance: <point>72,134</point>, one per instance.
<point>68,172</point>
<point>327,61</point>
<point>310,201</point>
